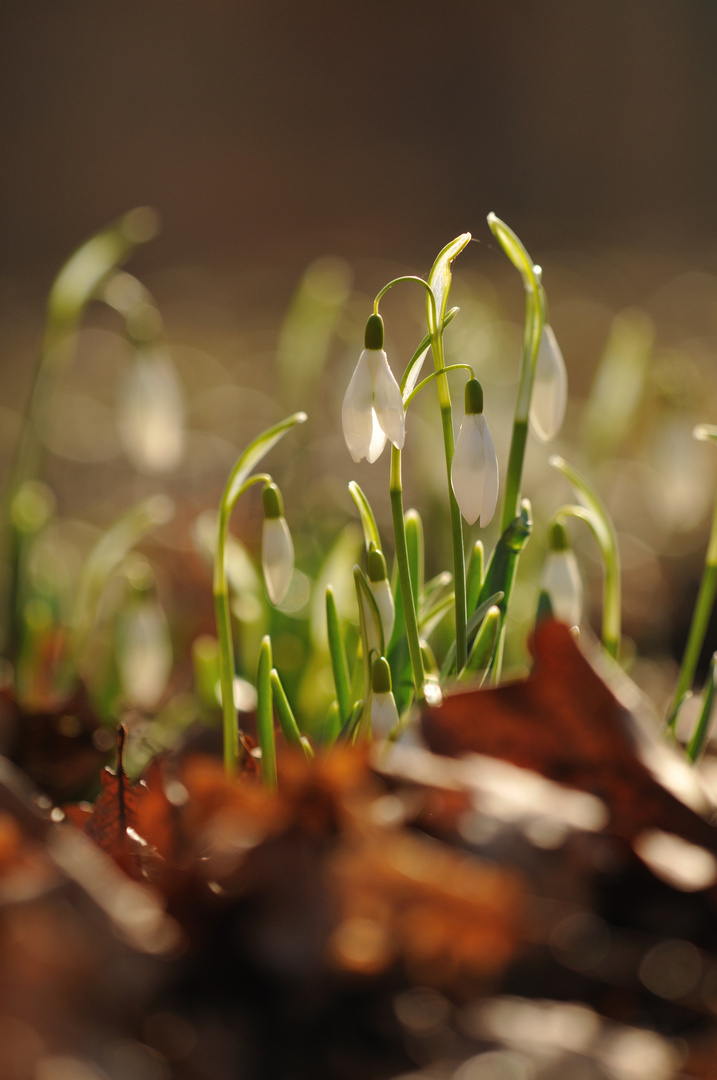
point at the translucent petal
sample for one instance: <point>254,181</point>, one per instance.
<point>150,415</point>
<point>562,582</point>
<point>490,483</point>
<point>386,608</point>
<point>356,413</point>
<point>387,400</point>
<point>144,653</point>
<point>378,440</point>
<point>384,715</point>
<point>550,389</point>
<point>468,468</point>
<point>277,558</point>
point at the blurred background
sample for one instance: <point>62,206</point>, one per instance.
<point>300,155</point>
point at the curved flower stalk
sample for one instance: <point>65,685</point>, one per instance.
<point>561,579</point>
<point>277,547</point>
<point>439,280</point>
<point>373,406</point>
<point>532,334</point>
<point>474,469</point>
<point>384,713</point>
<point>703,605</point>
<point>240,479</point>
<point>550,389</point>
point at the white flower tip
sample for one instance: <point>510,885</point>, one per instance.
<point>550,389</point>
<point>474,471</point>
<point>277,558</point>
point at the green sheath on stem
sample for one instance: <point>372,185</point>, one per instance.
<point>265,715</point>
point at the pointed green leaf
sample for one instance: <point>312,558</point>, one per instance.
<point>265,715</point>
<point>337,653</point>
<point>484,645</point>
<point>440,280</point>
<point>251,457</point>
<point>474,576</point>
<point>287,720</point>
<point>416,550</point>
<point>87,269</point>
<point>516,252</point>
<point>368,521</point>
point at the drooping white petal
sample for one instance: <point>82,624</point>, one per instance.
<point>144,653</point>
<point>387,400</point>
<point>386,608</point>
<point>550,389</point>
<point>468,468</point>
<point>378,440</point>
<point>490,483</point>
<point>356,413</point>
<point>384,715</point>
<point>277,558</point>
<point>561,580</point>
<point>474,472</point>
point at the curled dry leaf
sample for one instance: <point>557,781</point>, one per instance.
<point>567,724</point>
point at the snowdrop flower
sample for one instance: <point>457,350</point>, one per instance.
<point>378,580</point>
<point>561,578</point>
<point>384,714</point>
<point>373,406</point>
<point>550,389</point>
<point>277,548</point>
<point>474,472</point>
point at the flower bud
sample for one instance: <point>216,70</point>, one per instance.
<point>561,579</point>
<point>373,406</point>
<point>381,589</point>
<point>550,389</point>
<point>384,714</point>
<point>474,470</point>
<point>277,548</point>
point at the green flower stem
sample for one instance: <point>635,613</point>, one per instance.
<point>440,282</point>
<point>398,281</point>
<point>697,742</point>
<point>531,341</point>
<point>337,653</point>
<point>265,715</point>
<point>514,474</point>
<point>703,605</point>
<point>533,327</point>
<point>404,575</point>
<point>222,611</point>
<point>459,566</point>
<point>698,627</point>
<point>238,482</point>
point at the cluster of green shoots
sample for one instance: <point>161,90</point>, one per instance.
<point>382,673</point>
<point>394,666</point>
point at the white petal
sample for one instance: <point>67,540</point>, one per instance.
<point>550,389</point>
<point>277,558</point>
<point>468,468</point>
<point>356,413</point>
<point>384,715</point>
<point>387,400</point>
<point>386,608</point>
<point>490,483</point>
<point>562,582</point>
<point>378,440</point>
